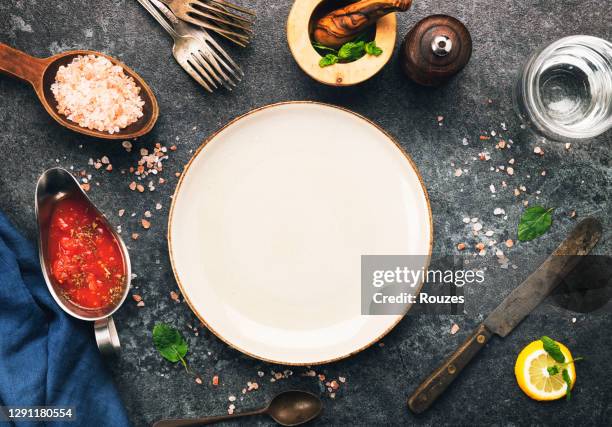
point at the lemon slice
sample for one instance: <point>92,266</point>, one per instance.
<point>532,373</point>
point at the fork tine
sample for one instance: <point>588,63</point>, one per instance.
<point>218,51</point>
<point>221,64</point>
<point>195,64</point>
<point>209,56</point>
<point>236,72</point>
<point>197,55</point>
<point>246,27</point>
<point>239,40</point>
<point>199,15</point>
<point>239,25</point>
<point>189,69</point>
<point>220,10</point>
<point>233,6</point>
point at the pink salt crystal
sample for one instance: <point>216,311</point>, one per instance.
<point>96,94</point>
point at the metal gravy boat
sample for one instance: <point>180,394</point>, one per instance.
<point>56,184</point>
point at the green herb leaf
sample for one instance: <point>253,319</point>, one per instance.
<point>327,60</point>
<point>352,50</point>
<point>552,370</point>
<point>324,48</point>
<point>568,381</point>
<point>372,49</point>
<point>534,222</point>
<point>170,343</point>
<point>552,348</point>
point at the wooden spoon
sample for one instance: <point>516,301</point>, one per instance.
<point>40,73</point>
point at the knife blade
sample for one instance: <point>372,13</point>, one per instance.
<point>512,310</point>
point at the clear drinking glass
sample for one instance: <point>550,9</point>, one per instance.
<point>564,90</point>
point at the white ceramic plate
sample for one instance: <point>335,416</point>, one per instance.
<point>270,219</point>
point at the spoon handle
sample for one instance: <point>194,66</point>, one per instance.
<point>192,422</point>
<point>21,65</point>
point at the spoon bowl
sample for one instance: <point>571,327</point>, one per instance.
<point>294,407</point>
<point>41,72</point>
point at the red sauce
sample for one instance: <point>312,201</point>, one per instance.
<point>86,260</point>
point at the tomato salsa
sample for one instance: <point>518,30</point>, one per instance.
<point>85,258</point>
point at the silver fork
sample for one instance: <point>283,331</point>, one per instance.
<point>199,55</point>
<point>214,53</point>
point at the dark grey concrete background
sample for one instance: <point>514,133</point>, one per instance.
<point>379,378</point>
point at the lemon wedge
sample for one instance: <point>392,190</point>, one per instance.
<point>531,370</point>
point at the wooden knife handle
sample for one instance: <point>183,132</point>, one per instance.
<point>441,378</point>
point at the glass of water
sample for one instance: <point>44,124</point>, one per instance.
<point>564,90</point>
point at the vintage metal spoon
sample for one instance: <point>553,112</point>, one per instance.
<point>54,185</point>
<point>289,408</point>
<point>40,73</point>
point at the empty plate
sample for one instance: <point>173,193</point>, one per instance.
<point>269,222</point>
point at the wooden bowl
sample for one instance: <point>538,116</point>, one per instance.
<point>339,74</point>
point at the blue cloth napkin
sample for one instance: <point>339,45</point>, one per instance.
<point>47,358</point>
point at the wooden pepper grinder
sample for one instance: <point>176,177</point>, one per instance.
<point>435,49</point>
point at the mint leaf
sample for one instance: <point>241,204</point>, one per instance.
<point>534,222</point>
<point>552,348</point>
<point>372,49</point>
<point>170,343</point>
<point>324,48</point>
<point>568,381</point>
<point>327,60</point>
<point>352,50</point>
<point>552,370</point>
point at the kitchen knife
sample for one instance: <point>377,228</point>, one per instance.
<point>511,311</point>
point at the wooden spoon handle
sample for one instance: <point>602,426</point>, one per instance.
<point>442,377</point>
<point>21,65</point>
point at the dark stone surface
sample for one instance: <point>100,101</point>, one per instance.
<point>379,378</point>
